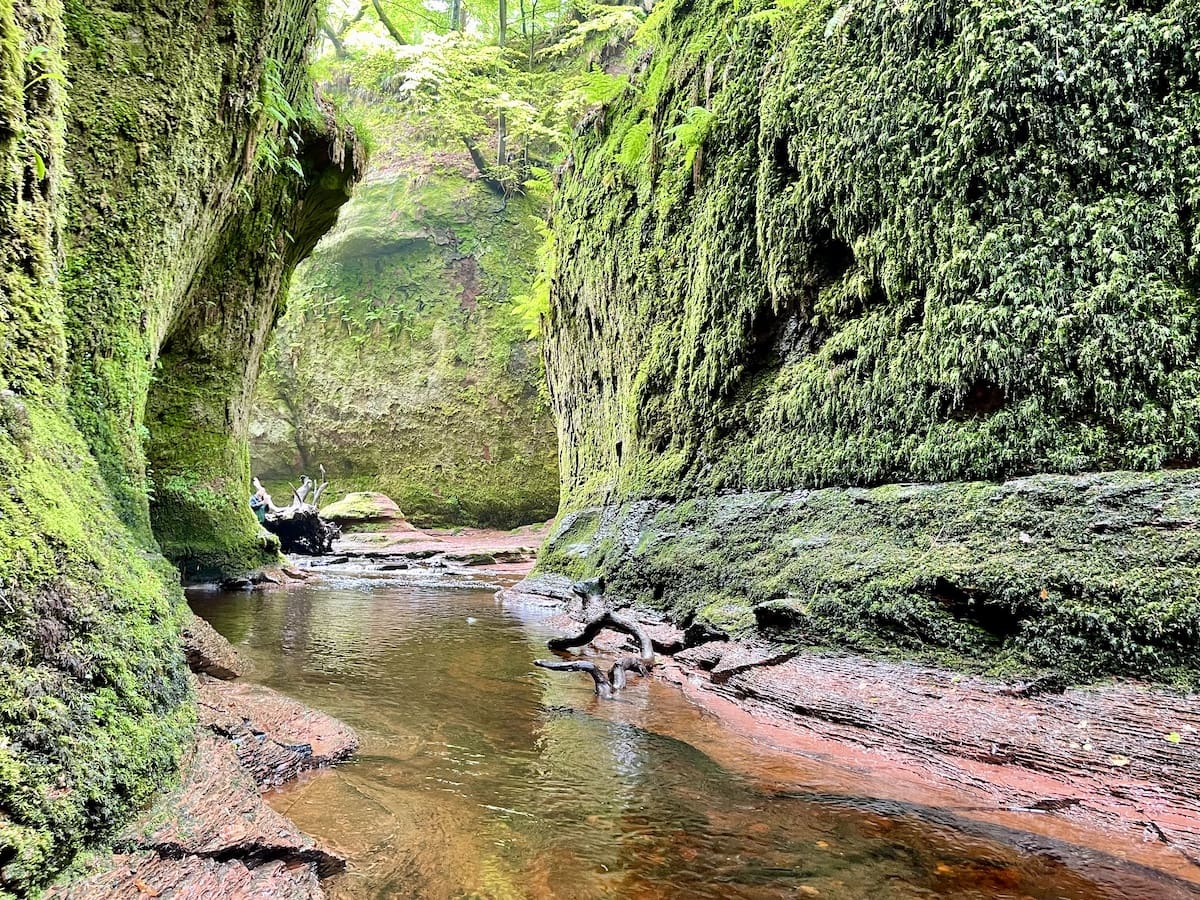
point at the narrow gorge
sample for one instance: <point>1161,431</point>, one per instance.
<point>843,353</point>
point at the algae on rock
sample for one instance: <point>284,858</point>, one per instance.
<point>401,364</point>
<point>839,244</point>
<point>156,115</point>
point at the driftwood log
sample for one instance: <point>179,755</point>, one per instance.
<point>606,683</point>
<point>299,527</point>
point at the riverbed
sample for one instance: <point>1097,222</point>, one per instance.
<point>481,776</point>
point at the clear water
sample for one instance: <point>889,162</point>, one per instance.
<point>481,776</point>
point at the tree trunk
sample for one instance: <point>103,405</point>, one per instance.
<point>387,23</point>
<point>301,530</point>
<point>502,125</point>
<point>481,164</point>
<point>339,49</point>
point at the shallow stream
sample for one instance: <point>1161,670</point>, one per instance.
<point>481,776</point>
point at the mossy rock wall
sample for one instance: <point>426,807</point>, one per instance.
<point>130,190</point>
<point>401,364</point>
<point>836,245</point>
<point>1085,574</point>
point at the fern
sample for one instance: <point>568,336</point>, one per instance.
<point>691,133</point>
<point>634,144</point>
<point>533,307</point>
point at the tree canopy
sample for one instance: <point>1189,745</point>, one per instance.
<point>505,83</point>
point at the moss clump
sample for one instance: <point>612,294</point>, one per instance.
<point>101,275</point>
<point>94,698</point>
<point>401,363</point>
<point>362,506</point>
<point>922,241</point>
<point>1090,575</point>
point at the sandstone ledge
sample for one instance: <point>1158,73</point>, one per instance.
<point>276,738</point>
<point>1114,766</point>
<point>213,836</point>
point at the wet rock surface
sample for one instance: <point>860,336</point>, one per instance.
<point>209,653</point>
<point>138,876</point>
<point>1118,761</point>
<point>218,812</point>
<point>275,738</point>
<point>213,836</point>
<point>1123,754</point>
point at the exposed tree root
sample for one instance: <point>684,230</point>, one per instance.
<point>607,683</point>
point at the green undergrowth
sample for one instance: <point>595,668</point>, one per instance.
<point>1086,575</point>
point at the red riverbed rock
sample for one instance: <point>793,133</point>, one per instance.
<point>738,658</point>
<point>1114,766</point>
<point>218,812</point>
<point>213,836</point>
<point>1120,756</point>
<point>141,876</point>
<point>275,737</point>
<point>209,653</point>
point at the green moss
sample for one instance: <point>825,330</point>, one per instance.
<point>94,698</point>
<point>1090,575</point>
<point>102,275</point>
<point>909,242</point>
<point>401,363</point>
<point>828,244</point>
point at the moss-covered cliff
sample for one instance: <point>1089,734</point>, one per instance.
<point>834,244</point>
<point>401,363</point>
<point>141,222</point>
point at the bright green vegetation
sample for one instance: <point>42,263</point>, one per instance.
<point>500,84</point>
<point>1085,574</point>
<point>402,364</point>
<point>200,171</point>
<point>824,244</point>
<point>406,362</point>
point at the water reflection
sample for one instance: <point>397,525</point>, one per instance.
<point>483,777</point>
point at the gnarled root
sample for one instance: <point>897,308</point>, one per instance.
<point>614,680</point>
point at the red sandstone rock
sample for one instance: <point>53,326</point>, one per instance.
<point>737,658</point>
<point>218,812</point>
<point>1119,755</point>
<point>146,875</point>
<point>1114,766</point>
<point>212,837</point>
<point>704,656</point>
<point>275,736</point>
<point>209,653</point>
